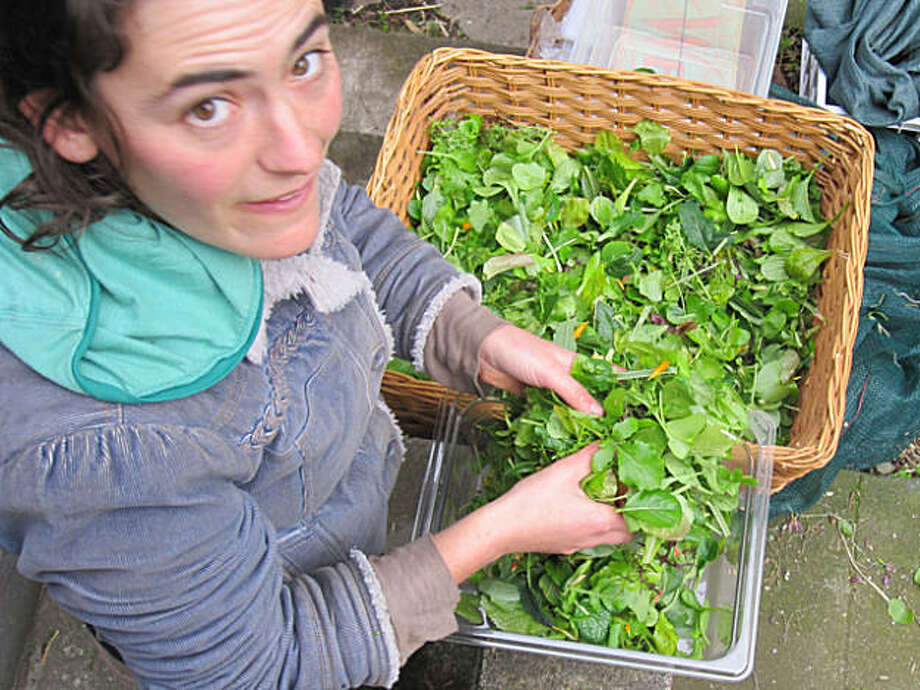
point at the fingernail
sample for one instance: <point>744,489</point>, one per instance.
<point>596,409</point>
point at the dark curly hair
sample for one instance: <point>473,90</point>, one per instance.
<point>54,48</point>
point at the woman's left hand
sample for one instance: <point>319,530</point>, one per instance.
<point>511,358</point>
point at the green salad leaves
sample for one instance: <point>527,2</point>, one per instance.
<point>686,288</point>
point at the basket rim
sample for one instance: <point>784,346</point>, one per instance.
<point>473,56</point>
<point>429,63</point>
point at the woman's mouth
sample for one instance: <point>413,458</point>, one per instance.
<point>283,203</point>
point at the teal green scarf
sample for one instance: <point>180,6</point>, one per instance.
<point>132,311</point>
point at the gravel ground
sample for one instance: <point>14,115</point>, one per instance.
<point>422,18</point>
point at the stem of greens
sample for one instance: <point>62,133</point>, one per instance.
<point>859,572</point>
<point>693,275</point>
<point>552,250</point>
<point>453,241</point>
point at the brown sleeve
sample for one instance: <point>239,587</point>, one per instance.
<point>452,348</point>
<point>420,594</point>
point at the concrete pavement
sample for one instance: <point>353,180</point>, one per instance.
<point>822,625</point>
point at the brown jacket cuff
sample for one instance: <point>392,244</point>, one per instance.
<point>452,348</point>
<point>420,593</point>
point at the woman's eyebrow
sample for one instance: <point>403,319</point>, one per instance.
<point>206,77</point>
<point>219,76</point>
<point>312,27</point>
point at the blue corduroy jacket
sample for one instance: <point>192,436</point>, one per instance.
<point>220,539</point>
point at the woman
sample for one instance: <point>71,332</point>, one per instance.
<point>197,315</point>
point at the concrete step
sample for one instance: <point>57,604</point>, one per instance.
<point>374,65</point>
<point>18,599</point>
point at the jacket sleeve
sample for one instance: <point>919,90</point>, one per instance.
<point>452,348</point>
<point>178,568</point>
<point>410,278</point>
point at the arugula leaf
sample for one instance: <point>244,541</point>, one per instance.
<point>665,637</point>
<point>652,194</point>
<point>512,235</point>
<point>738,168</point>
<point>468,608</point>
<point>803,262</point>
<point>805,229</point>
<point>603,211</point>
<point>528,175</point>
<point>656,509</point>
<point>594,281</point>
<point>651,285</point>
<point>506,262</point>
<point>682,432</point>
<point>499,591</point>
<point>603,457</point>
<point>773,268</point>
<point>699,230</point>
<point>800,202</point>
<point>575,212</point>
<point>741,208</point>
<point>640,465</point>
<point>565,175</point>
<point>594,374</point>
<point>513,618</point>
<point>615,403</point>
<point>707,165</point>
<point>653,137</point>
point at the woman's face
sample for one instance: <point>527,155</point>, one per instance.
<point>223,111</point>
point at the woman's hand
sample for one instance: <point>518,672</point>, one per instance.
<point>546,512</point>
<point>511,358</point>
<point>554,515</point>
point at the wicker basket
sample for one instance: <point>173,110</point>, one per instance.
<point>416,403</point>
<point>578,101</point>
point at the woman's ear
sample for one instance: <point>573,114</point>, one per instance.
<point>66,133</point>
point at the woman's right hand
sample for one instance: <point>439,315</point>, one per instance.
<point>546,512</point>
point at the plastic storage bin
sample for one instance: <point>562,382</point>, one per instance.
<point>730,43</point>
<point>731,584</point>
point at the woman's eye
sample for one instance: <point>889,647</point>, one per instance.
<point>307,64</point>
<point>209,112</point>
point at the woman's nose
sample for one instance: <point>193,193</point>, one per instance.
<point>290,145</point>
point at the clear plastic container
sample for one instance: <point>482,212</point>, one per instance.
<point>731,584</point>
<point>729,43</point>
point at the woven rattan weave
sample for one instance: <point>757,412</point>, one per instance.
<point>576,102</point>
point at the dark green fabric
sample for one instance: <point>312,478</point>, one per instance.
<point>870,52</point>
<point>883,396</point>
